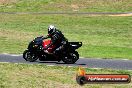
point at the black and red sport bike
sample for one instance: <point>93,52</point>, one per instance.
<point>35,51</point>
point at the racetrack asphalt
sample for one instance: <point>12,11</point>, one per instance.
<point>84,62</point>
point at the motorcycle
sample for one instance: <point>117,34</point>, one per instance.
<point>35,51</point>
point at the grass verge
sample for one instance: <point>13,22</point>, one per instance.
<point>65,5</point>
<point>102,36</point>
<point>42,76</point>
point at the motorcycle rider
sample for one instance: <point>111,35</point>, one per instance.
<point>56,38</point>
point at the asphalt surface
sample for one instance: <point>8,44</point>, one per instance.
<point>84,62</point>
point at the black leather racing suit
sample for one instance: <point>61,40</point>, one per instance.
<point>59,40</point>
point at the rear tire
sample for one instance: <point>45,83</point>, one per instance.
<point>28,56</point>
<point>71,58</point>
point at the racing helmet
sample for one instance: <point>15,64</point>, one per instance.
<point>51,29</point>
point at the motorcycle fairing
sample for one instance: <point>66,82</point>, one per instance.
<point>46,43</point>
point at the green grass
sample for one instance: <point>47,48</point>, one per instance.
<point>66,5</point>
<point>42,76</point>
<point>102,36</point>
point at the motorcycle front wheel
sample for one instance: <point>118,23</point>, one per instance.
<point>28,56</point>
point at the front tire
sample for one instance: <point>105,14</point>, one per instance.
<point>28,56</point>
<point>71,58</point>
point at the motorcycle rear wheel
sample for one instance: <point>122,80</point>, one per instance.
<point>28,56</point>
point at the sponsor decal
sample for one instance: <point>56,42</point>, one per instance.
<point>83,78</point>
